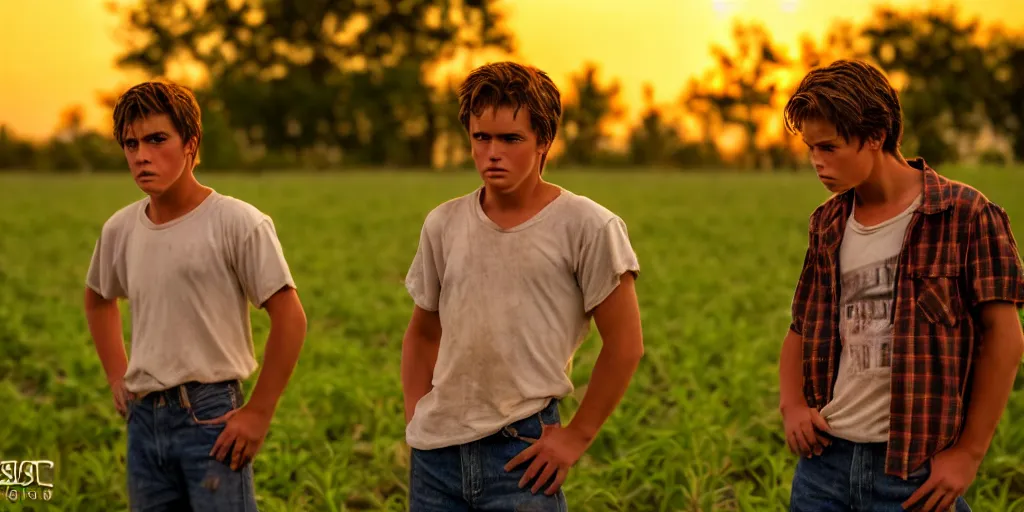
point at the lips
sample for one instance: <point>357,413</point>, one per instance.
<point>146,174</point>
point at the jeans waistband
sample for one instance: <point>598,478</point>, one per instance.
<point>179,394</point>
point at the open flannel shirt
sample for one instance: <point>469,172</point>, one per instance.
<point>958,252</point>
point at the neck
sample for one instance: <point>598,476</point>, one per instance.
<point>516,199</point>
<point>890,181</point>
<point>186,194</point>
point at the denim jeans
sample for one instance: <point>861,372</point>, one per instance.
<point>472,476</point>
<point>851,476</point>
<point>169,444</point>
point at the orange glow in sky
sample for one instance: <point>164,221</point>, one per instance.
<point>57,53</point>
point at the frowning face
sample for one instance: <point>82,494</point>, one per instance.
<point>156,155</point>
<point>840,164</point>
<point>505,148</point>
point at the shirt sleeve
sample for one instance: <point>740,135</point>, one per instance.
<point>804,285</point>
<point>423,280</point>
<point>607,254</point>
<point>994,270</point>
<point>261,264</point>
<point>105,274</point>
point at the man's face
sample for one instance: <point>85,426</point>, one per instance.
<point>505,148</point>
<point>156,154</point>
<point>840,164</point>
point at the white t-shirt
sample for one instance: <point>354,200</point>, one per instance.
<point>189,283</point>
<point>859,411</point>
<point>514,305</point>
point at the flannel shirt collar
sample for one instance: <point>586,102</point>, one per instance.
<point>938,196</point>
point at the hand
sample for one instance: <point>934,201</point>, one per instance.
<point>804,426</point>
<point>246,428</point>
<point>121,396</point>
<point>953,471</point>
<point>553,454</point>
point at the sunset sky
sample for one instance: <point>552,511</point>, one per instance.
<point>57,53</point>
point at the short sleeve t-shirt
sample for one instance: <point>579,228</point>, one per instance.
<point>189,283</point>
<point>514,305</point>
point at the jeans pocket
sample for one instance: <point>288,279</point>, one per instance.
<point>531,428</point>
<point>206,403</point>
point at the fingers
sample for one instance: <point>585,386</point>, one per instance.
<point>251,449</point>
<point>919,494</point>
<point>818,421</point>
<point>238,454</point>
<point>222,419</point>
<point>523,456</point>
<point>120,404</point>
<point>947,501</point>
<point>532,471</point>
<point>791,442</point>
<point>559,480</point>
<point>804,442</point>
<point>549,471</point>
<point>933,500</point>
<point>811,436</point>
<point>221,448</point>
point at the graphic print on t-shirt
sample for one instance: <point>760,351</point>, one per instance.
<point>867,303</point>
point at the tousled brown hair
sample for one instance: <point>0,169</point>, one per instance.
<point>160,97</point>
<point>509,84</point>
<point>852,95</point>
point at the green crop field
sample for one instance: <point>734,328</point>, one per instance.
<point>698,429</point>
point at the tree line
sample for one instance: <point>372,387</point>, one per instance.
<point>316,84</point>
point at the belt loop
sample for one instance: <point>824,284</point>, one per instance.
<point>183,395</point>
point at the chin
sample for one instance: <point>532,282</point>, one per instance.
<point>834,187</point>
<point>152,189</point>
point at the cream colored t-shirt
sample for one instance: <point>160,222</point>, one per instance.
<point>514,308</point>
<point>189,283</point>
<point>859,411</point>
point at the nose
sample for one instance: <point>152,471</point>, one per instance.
<point>141,154</point>
<point>816,162</point>
<point>494,151</point>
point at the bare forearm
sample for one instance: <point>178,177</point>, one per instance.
<point>284,343</point>
<point>994,372</point>
<point>419,355</point>
<point>104,319</point>
<point>791,372</point>
<point>612,374</point>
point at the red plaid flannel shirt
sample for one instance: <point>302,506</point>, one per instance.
<point>958,252</point>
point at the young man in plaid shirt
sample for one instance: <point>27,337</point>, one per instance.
<point>906,338</point>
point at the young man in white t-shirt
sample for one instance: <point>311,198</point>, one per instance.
<point>189,261</point>
<point>505,282</point>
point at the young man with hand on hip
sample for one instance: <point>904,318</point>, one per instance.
<point>506,281</point>
<point>190,261</point>
<point>906,338</point>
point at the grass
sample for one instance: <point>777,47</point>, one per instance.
<point>698,429</point>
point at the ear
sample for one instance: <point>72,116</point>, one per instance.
<point>190,148</point>
<point>875,142</point>
<point>544,148</point>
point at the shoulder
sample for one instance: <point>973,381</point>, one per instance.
<point>236,216</point>
<point>586,213</point>
<point>825,212</point>
<point>124,219</point>
<point>439,216</point>
<point>964,198</point>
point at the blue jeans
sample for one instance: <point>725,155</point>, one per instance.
<point>169,461</point>
<point>472,476</point>
<point>851,476</point>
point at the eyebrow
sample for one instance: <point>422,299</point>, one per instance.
<point>506,134</point>
<point>829,141</point>
<point>147,136</point>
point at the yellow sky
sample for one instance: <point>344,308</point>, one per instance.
<point>56,53</point>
